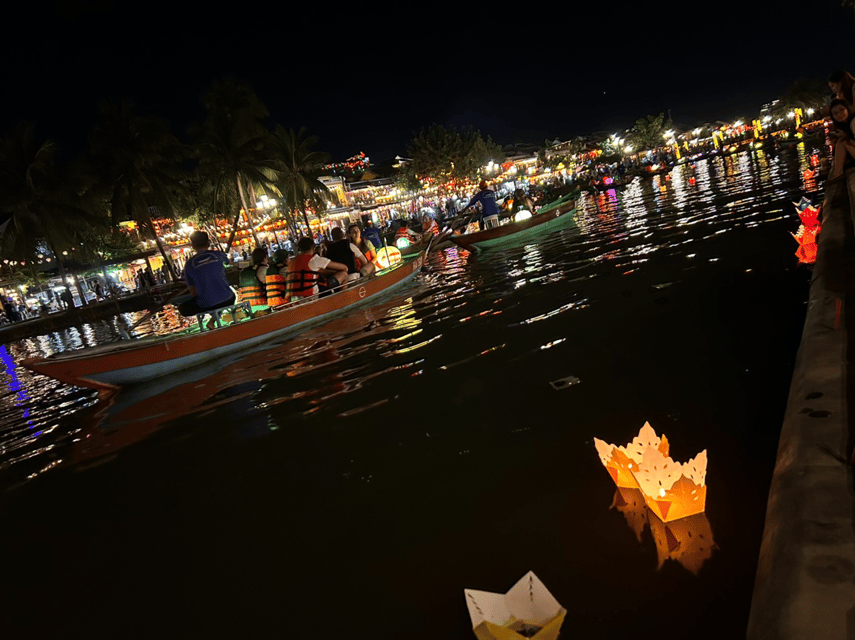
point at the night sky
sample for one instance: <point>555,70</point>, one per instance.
<point>367,77</point>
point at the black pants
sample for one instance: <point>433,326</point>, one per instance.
<point>191,307</point>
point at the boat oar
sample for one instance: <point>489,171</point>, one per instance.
<point>127,334</point>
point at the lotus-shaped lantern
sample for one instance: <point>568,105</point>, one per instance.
<point>527,610</point>
<point>671,490</point>
<point>806,237</point>
<point>621,461</point>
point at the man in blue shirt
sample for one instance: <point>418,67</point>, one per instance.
<point>487,198</point>
<point>206,278</point>
<point>372,234</point>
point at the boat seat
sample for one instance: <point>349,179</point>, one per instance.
<point>491,221</point>
<point>217,313</point>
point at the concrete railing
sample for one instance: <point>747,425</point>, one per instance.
<point>805,585</point>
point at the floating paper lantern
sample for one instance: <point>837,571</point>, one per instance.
<point>802,204</point>
<point>620,461</point>
<point>527,610</point>
<point>806,237</point>
<point>672,490</point>
<point>809,216</point>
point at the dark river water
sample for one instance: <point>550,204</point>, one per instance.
<point>352,481</point>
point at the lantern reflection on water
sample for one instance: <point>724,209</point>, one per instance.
<point>688,541</point>
<point>671,490</point>
<point>527,610</point>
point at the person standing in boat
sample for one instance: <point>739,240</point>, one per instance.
<point>205,274</point>
<point>306,267</point>
<point>487,199</point>
<point>253,279</point>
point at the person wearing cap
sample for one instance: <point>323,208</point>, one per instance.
<point>487,199</point>
<point>205,274</point>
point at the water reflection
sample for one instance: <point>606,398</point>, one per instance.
<point>466,309</point>
<point>688,541</point>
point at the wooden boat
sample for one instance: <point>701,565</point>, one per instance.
<point>131,362</point>
<point>552,216</point>
<point>131,414</point>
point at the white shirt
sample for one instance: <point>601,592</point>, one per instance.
<point>316,264</point>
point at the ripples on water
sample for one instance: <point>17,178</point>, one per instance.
<point>455,367</point>
<point>617,232</point>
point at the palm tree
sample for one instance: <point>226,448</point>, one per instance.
<point>136,160</point>
<point>229,147</point>
<point>38,206</point>
<point>298,169</point>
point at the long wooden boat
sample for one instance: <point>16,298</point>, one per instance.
<point>130,362</point>
<point>552,216</point>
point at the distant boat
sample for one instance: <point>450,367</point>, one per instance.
<point>555,215</point>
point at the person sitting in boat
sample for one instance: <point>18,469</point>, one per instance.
<point>487,199</point>
<point>342,250</point>
<point>253,279</point>
<point>368,249</point>
<point>431,227</point>
<point>404,231</point>
<point>522,201</point>
<point>205,274</point>
<point>275,280</point>
<point>305,269</point>
<point>372,234</point>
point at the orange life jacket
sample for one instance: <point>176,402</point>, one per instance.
<point>300,280</point>
<point>433,228</point>
<point>368,253</point>
<point>403,232</point>
<point>251,289</point>
<point>275,288</point>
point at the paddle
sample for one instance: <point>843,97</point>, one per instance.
<point>127,334</point>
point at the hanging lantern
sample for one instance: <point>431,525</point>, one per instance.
<point>527,610</point>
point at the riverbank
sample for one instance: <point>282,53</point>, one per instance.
<point>805,584</point>
<point>92,312</point>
